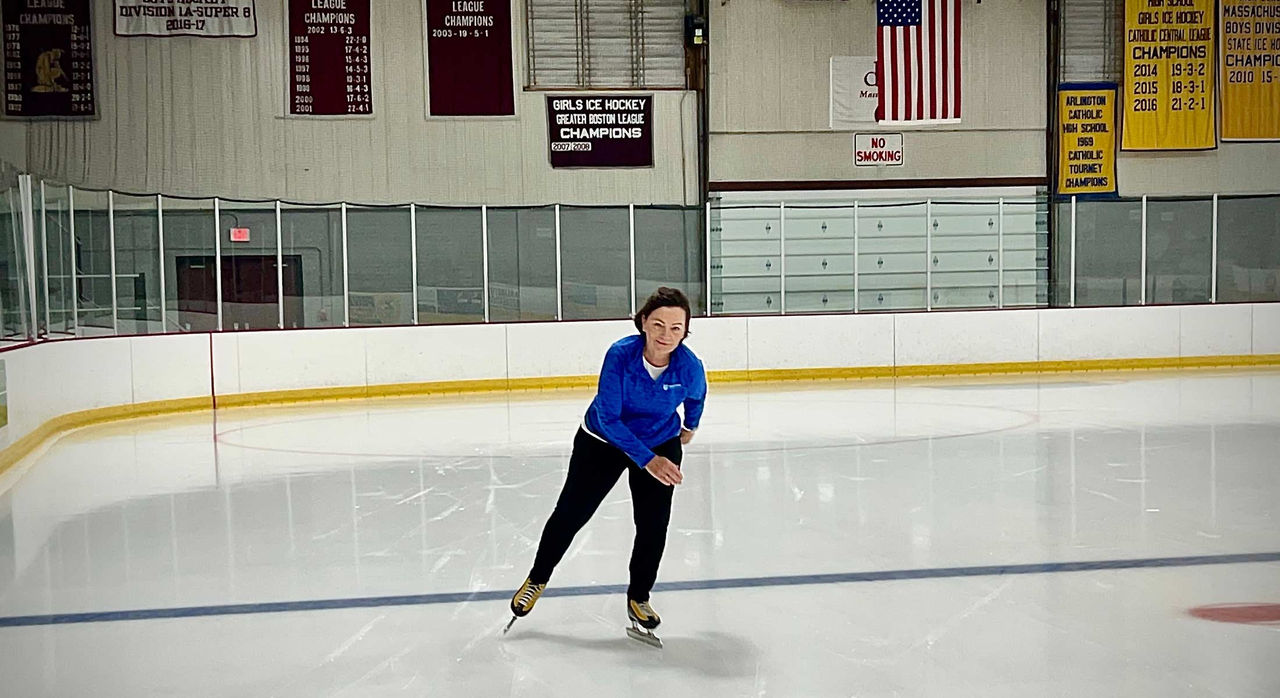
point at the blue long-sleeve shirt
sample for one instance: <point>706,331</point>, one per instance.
<point>635,412</point>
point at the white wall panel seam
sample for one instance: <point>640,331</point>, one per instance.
<point>133,376</point>
<point>1182,344</point>
<point>1039,334</point>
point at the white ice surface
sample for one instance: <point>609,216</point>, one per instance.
<point>370,499</point>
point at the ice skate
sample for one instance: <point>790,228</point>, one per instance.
<point>525,597</point>
<point>643,621</point>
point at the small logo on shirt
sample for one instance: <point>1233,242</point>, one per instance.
<point>669,386</point>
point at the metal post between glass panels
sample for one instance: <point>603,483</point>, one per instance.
<point>217,256</point>
<point>484,257</point>
<point>279,270</point>
<point>111,238</point>
<point>782,257</point>
<point>44,259</point>
<point>71,246</point>
<point>1072,280</point>
<point>346,283</point>
<point>1143,275</point>
<point>631,254</point>
<point>559,281</point>
<point>1213,258</point>
<point>164,305</point>
<point>28,251</point>
<point>19,249</point>
<point>413,255</point>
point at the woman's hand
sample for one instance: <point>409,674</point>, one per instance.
<point>686,435</point>
<point>667,472</point>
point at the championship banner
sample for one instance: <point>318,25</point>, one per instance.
<point>1169,75</point>
<point>204,18</point>
<point>1250,69</point>
<point>48,51</point>
<point>600,131</point>
<point>1086,138</point>
<point>469,64</point>
<point>330,58</point>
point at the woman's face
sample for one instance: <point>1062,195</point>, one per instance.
<point>664,329</point>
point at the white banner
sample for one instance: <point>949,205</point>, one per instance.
<point>854,94</point>
<point>210,18</point>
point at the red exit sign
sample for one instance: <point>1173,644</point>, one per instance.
<point>239,235</point>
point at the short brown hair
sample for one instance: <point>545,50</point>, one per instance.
<point>665,297</point>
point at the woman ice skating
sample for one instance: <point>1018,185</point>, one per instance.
<point>632,425</point>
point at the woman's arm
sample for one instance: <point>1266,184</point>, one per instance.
<point>695,398</point>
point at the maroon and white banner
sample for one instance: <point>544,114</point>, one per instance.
<point>469,58</point>
<point>48,58</point>
<point>206,18</point>
<point>600,131</point>
<point>918,60</point>
<point>329,58</point>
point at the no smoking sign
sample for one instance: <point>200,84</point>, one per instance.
<point>877,149</point>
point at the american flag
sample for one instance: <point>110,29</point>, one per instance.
<point>918,60</point>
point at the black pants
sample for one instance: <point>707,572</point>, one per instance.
<point>594,467</point>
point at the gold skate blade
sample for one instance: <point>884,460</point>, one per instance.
<point>645,636</point>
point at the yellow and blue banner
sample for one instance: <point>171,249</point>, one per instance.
<point>1087,138</point>
<point>1169,75</point>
